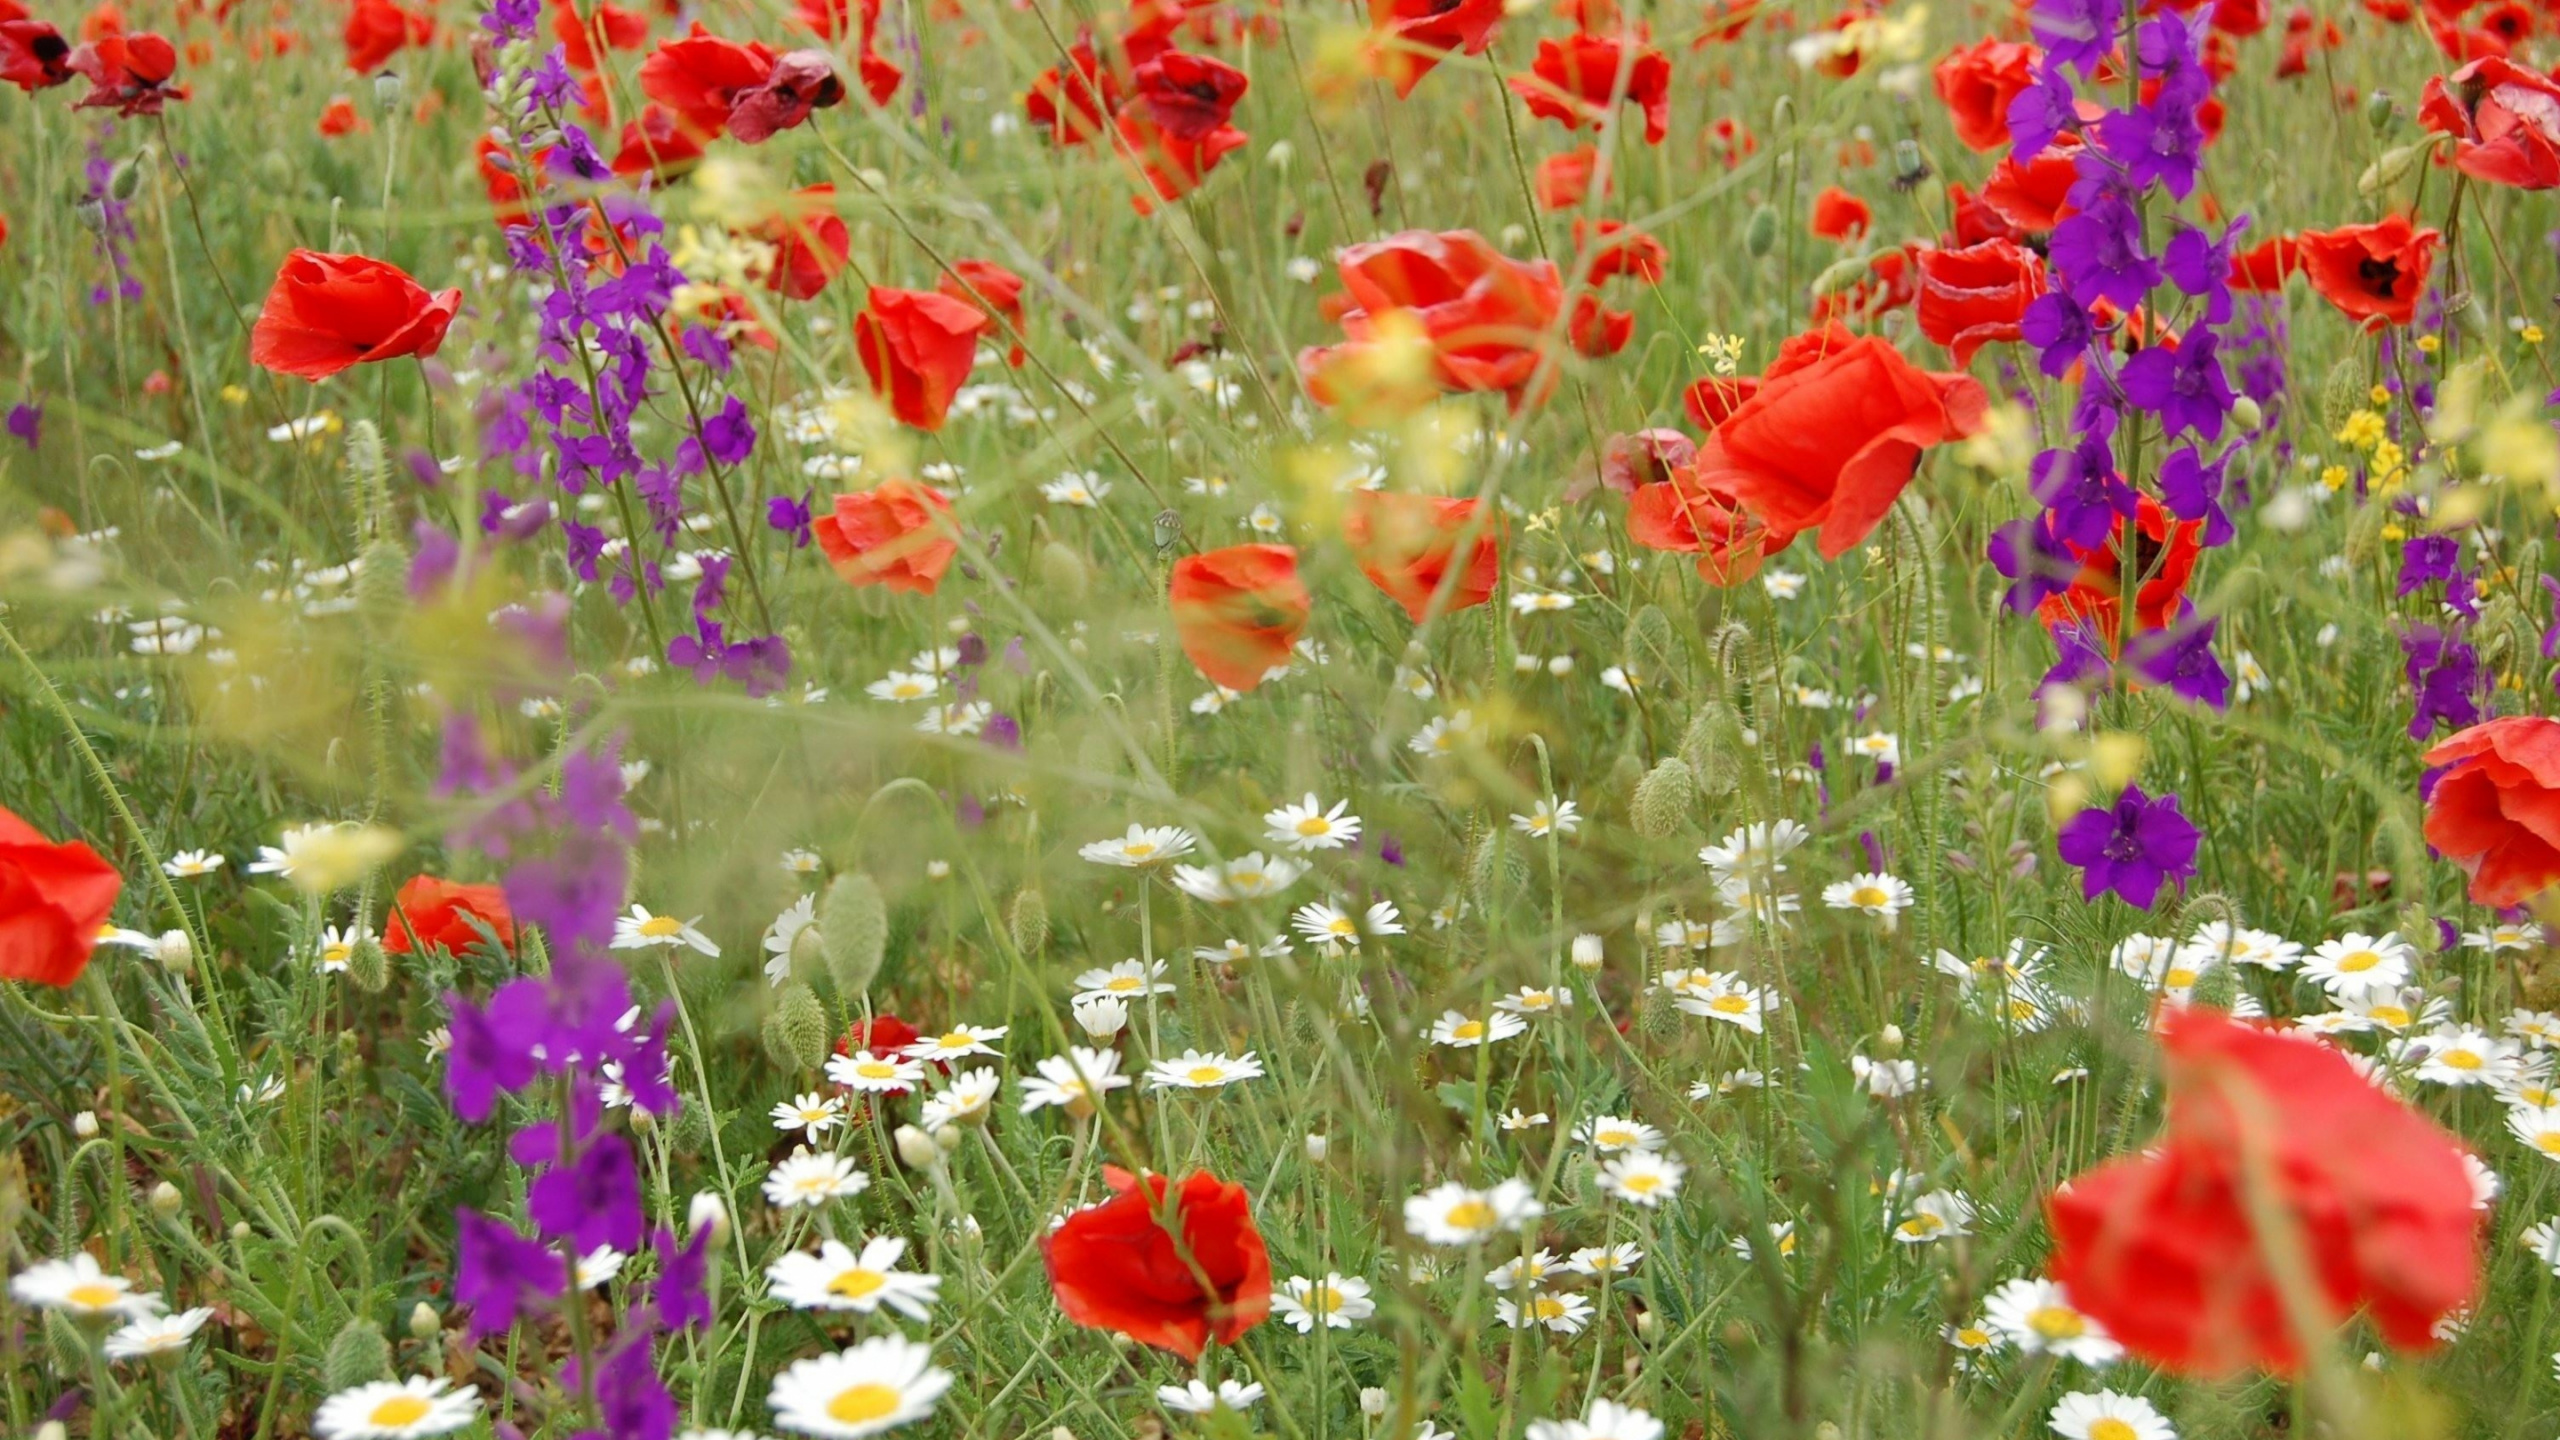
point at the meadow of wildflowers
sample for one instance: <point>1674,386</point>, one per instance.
<point>1338,719</point>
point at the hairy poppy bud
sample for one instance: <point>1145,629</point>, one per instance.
<point>795,1034</point>
<point>1028,921</point>
<point>1760,232</point>
<point>854,926</point>
<point>1661,805</point>
<point>357,1356</point>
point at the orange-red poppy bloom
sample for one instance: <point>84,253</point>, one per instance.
<point>2165,552</point>
<point>33,54</point>
<point>1188,96</point>
<point>657,144</point>
<point>1408,547</point>
<point>340,118</point>
<point>1829,444</point>
<point>376,30</point>
<point>54,901</point>
<point>1239,611</point>
<point>1170,166</point>
<point>1070,103</point>
<point>2505,120</point>
<point>810,244</point>
<point>1562,180</point>
<point>127,72</point>
<point>2034,197</point>
<point>2264,267</point>
<point>1976,295</point>
<point>1574,81</point>
<point>1482,313</point>
<point>898,535</point>
<point>2495,810</point>
<point>1839,215</point>
<point>1977,83</point>
<point>2277,1157</point>
<point>747,91</point>
<point>1693,513</point>
<point>833,20</point>
<point>430,911</point>
<point>1410,37</point>
<point>918,346</point>
<point>1115,1266</point>
<point>2374,273</point>
<point>993,289</point>
<point>1617,248</point>
<point>328,312</point>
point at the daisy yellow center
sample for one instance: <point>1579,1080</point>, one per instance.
<point>1324,1300</point>
<point>876,1070</point>
<point>2358,961</point>
<point>1641,1183</point>
<point>1140,850</point>
<point>863,1403</point>
<point>856,1283</point>
<point>2388,1015</point>
<point>1341,925</point>
<point>1206,1074</point>
<point>1547,1307</point>
<point>2548,1142</point>
<point>2178,979</point>
<point>816,1112</point>
<point>1535,999</point>
<point>1314,825</point>
<point>1615,1137</point>
<point>1787,1244</point>
<point>1470,1215</point>
<point>660,927</point>
<point>337,954</point>
<point>908,690</point>
<point>93,1296</point>
<point>2057,1322</point>
<point>2462,1060</point>
<point>815,1184</point>
<point>1973,1338</point>
<point>1923,1225</point>
<point>1121,984</point>
<point>1470,1030</point>
<point>398,1410</point>
<point>1245,879</point>
<point>2108,1427</point>
<point>958,1040</point>
<point>1867,895</point>
<point>1729,1004</point>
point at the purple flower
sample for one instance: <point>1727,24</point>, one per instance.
<point>491,1054</point>
<point>2156,145</point>
<point>681,1293</point>
<point>2082,493</point>
<point>2428,560</point>
<point>2060,329</point>
<point>497,1272</point>
<point>2185,387</point>
<point>2080,663</point>
<point>2201,266</point>
<point>2444,679</point>
<point>26,422</point>
<point>2192,490</point>
<point>2074,32</point>
<point>2181,657</point>
<point>630,1399</point>
<point>2131,847</point>
<point>2040,112</point>
<point>2099,252</point>
<point>2035,563</point>
<point>729,435</point>
<point>791,517</point>
<point>592,1201</point>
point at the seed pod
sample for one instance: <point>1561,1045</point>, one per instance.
<point>357,1356</point>
<point>1028,921</point>
<point>1657,1015</point>
<point>125,181</point>
<point>369,965</point>
<point>1660,809</point>
<point>2377,111</point>
<point>854,926</point>
<point>1760,232</point>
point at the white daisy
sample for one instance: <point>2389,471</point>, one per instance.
<point>1605,1420</point>
<point>2356,960</point>
<point>812,1179</point>
<point>812,1114</point>
<point>1936,1215</point>
<point>901,686</point>
<point>640,929</point>
<point>78,1288</point>
<point>388,1410</point>
<point>1536,1000</point>
<point>883,1383</point>
<point>873,1073</point>
<point>1338,1302</point>
<point>966,1100</point>
<point>1461,1032</point>
<point>2038,1319</point>
<point>1875,893</point>
<point>190,865</point>
<point>1074,1082</point>
<point>1609,1134</point>
<point>153,1337</point>
<point>1595,1260</point>
<point>1143,845</point>
<point>958,1043</point>
<point>2107,1415</point>
<point>1195,1070</point>
<point>1548,817</point>
<point>1454,1214</point>
<point>837,1278</point>
<point>1247,877</point>
<point>1194,1397</point>
<point>1308,825</point>
<point>1128,980</point>
<point>1565,1314</point>
<point>1641,1177</point>
<point>798,918</point>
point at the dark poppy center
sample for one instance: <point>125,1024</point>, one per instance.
<point>2382,277</point>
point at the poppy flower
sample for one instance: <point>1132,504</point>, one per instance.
<point>657,144</point>
<point>2505,120</point>
<point>129,72</point>
<point>1481,312</point>
<point>2367,1196</point>
<point>1410,37</point>
<point>340,118</point>
<point>606,27</point>
<point>328,312</point>
<point>993,289</point>
<point>2495,808</point>
<point>2374,273</point>
<point>1069,103</point>
<point>1408,544</point>
<point>376,30</point>
<point>1562,180</point>
<point>918,347</point>
<point>2241,19</point>
<point>896,535</point>
<point>1629,462</point>
<point>2035,196</point>
<point>1695,513</point>
<point>1239,611</point>
<point>833,19</point>
<point>1574,81</point>
<point>2163,551</point>
<point>1976,295</point>
<point>1615,248</point>
<point>1189,96</point>
<point>54,901</point>
<point>33,55</point>
<point>1169,165</point>
<point>1114,1266</point>
<point>430,911</point>
<point>1972,221</point>
<point>1839,215</point>
<point>1978,82</point>
<point>747,91</point>
<point>2263,268</point>
<point>810,243</point>
<point>1830,444</point>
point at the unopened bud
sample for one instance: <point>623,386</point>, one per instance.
<point>368,966</point>
<point>2246,413</point>
<point>916,1148</point>
<point>708,1212</point>
<point>240,1231</point>
<point>387,90</point>
<point>2377,111</point>
<point>85,1124</point>
<point>165,1200</point>
<point>1373,1401</point>
<point>1889,1039</point>
<point>424,1323</point>
<point>1760,232</point>
<point>1645,1324</point>
<point>1317,1148</point>
<point>175,952</point>
<point>125,181</point>
<point>1588,952</point>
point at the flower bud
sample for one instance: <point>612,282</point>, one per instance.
<point>1102,1016</point>
<point>368,965</point>
<point>1588,952</point>
<point>166,1201</point>
<point>358,1356</point>
<point>53,1430</point>
<point>1889,1039</point>
<point>175,952</point>
<point>1317,1148</point>
<point>2245,413</point>
<point>916,1149</point>
<point>424,1323</point>
<point>240,1231</point>
<point>2377,111</point>
<point>387,90</point>
<point>85,1124</point>
<point>708,1212</point>
<point>1373,1401</point>
<point>125,181</point>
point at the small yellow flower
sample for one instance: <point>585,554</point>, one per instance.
<point>235,395</point>
<point>2393,531</point>
<point>2334,477</point>
<point>2530,334</point>
<point>2428,345</point>
<point>2379,395</point>
<point>2363,429</point>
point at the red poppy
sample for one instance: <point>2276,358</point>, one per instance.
<point>1409,37</point>
<point>1616,248</point>
<point>1976,295</point>
<point>506,192</point>
<point>881,1035</point>
<point>1562,180</point>
<point>2034,196</point>
<point>429,911</point>
<point>718,85</point>
<point>1190,97</point>
<point>2374,273</point>
<point>1170,166</point>
<point>897,535</point>
<point>2495,809</point>
<point>328,312</point>
<point>2359,1193</point>
<point>810,243</point>
<point>2163,551</point>
<point>129,72</point>
<point>1408,546</point>
<point>1829,445</point>
<point>2241,18</point>
<point>33,55</point>
<point>376,30</point>
<point>1114,1266</point>
<point>1974,221</point>
<point>1889,283</point>
<point>1069,102</point>
<point>1482,312</point>
<point>2265,267</point>
<point>54,901</point>
<point>657,144</point>
<point>833,20</point>
<point>340,118</point>
<point>1629,462</point>
<point>1732,141</point>
<point>1239,611</point>
<point>993,289</point>
<point>607,27</point>
<point>1839,215</point>
<point>1694,513</point>
<point>918,348</point>
<point>1575,81</point>
<point>1978,82</point>
<point>2505,120</point>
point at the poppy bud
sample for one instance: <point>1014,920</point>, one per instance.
<point>369,965</point>
<point>125,181</point>
<point>854,925</point>
<point>1760,232</point>
<point>1028,921</point>
<point>1660,808</point>
<point>387,90</point>
<point>2246,413</point>
<point>916,1149</point>
<point>357,1356</point>
<point>91,213</point>
<point>795,1034</point>
<point>424,1324</point>
<point>1062,572</point>
<point>2378,107</point>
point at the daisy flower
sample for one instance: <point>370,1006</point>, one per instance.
<point>838,1278</point>
<point>1605,1420</point>
<point>883,1383</point>
<point>812,1114</point>
<point>2035,1316</point>
<point>2355,959</point>
<point>798,918</point>
<point>1337,1302</point>
<point>873,1073</point>
<point>1937,1215</point>
<point>1516,1120</point>
<point>599,1266</point>
<point>1883,747</point>
<point>1454,1214</point>
<point>1443,734</point>
<point>1615,1259</point>
<point>2239,945</point>
<point>1540,602</point>
<point>640,930</point>
<point>1308,825</point>
<point>1456,1030</point>
<point>78,1288</point>
<point>807,1178</point>
<point>152,1337</point>
<point>1885,1079</point>
<point>338,947</point>
<point>1083,489</point>
<point>958,1043</point>
<point>1522,1272</point>
<point>1073,1082</point>
<point>1535,1000</point>
<point>1565,1314</point>
<point>901,686</point>
<point>1194,1070</point>
<point>1719,995</point>
<point>801,862</point>
<point>1752,855</point>
<point>1548,817</point>
<point>1128,980</point>
<point>1641,1177</point>
<point>1247,877</point>
<point>967,1100</point>
<point>1143,845</point>
<point>1194,1397</point>
<point>1329,924</point>
<point>2493,938</point>
<point>2107,1415</point>
<point>1100,1016</point>
<point>191,865</point>
<point>1609,1134</point>
<point>2460,1055</point>
<point>389,1410</point>
<point>1883,896</point>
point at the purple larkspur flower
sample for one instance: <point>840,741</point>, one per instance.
<point>2082,494</point>
<point>2133,847</point>
<point>2041,112</point>
<point>26,422</point>
<point>2444,679</point>
<point>594,1200</point>
<point>2060,329</point>
<point>2157,145</point>
<point>499,1273</point>
<point>2200,265</point>
<point>2099,254</point>
<point>2185,387</point>
<point>2025,552</point>
<point>2074,32</point>
<point>2191,489</point>
<point>2181,658</point>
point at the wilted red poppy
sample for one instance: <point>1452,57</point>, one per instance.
<point>1830,445</point>
<point>1070,102</point>
<point>376,30</point>
<point>657,144</point>
<point>810,243</point>
<point>1482,312</point>
<point>1170,166</point>
<point>2374,273</point>
<point>2276,1153</point>
<point>1408,546</point>
<point>897,535</point>
<point>33,55</point>
<point>1629,462</point>
<point>1693,513</point>
<point>1575,81</point>
<point>993,289</point>
<point>1409,37</point>
<point>1562,180</point>
<point>128,72</point>
<point>340,118</point>
<point>833,19</point>
<point>1978,82</point>
<point>2505,120</point>
<point>1239,611</point>
<point>1114,1266</point>
<point>1616,248</point>
<point>918,348</point>
<point>54,901</point>
<point>2263,268</point>
<point>2034,196</point>
<point>429,911</point>
<point>327,312</point>
<point>718,85</point>
<point>2495,810</point>
<point>1839,215</point>
<point>1974,296</point>
<point>1189,96</point>
<point>2164,553</point>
